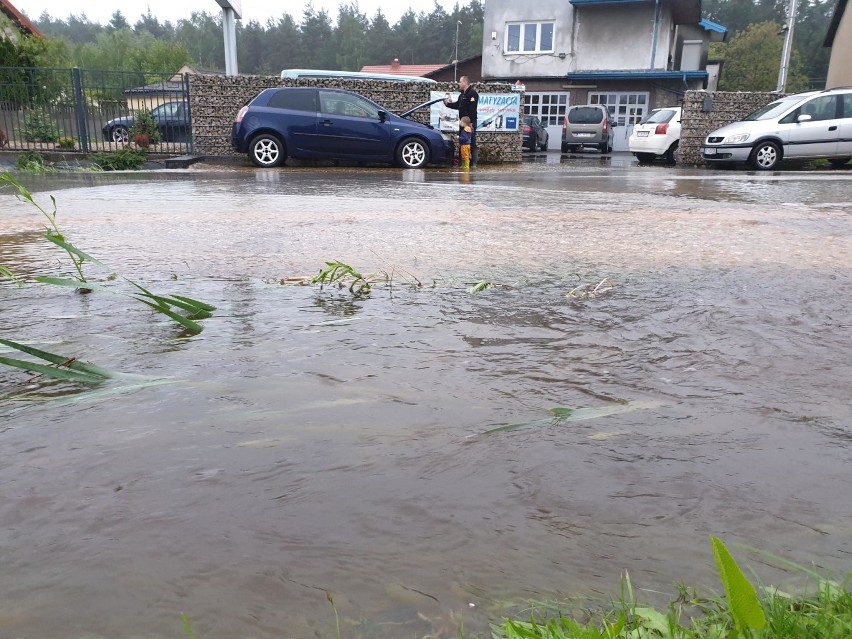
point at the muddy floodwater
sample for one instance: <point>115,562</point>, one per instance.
<point>309,442</point>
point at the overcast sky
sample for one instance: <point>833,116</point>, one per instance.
<point>173,10</point>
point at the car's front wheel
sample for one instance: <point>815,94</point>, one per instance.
<point>267,151</point>
<point>765,156</point>
<point>412,153</point>
<point>120,135</point>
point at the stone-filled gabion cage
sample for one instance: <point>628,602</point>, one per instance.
<point>215,100</point>
<point>706,111</point>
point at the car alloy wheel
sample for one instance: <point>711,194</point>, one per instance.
<point>412,153</point>
<point>765,156</point>
<point>266,151</point>
<point>120,135</point>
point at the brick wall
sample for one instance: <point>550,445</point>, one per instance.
<point>215,100</point>
<point>725,107</point>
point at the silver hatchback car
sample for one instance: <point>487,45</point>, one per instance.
<point>816,124</point>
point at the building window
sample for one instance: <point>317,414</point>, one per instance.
<point>529,37</point>
<point>550,108</point>
<point>625,108</point>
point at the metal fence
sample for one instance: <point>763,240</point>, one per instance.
<point>88,111</point>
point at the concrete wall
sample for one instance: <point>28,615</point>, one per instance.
<point>215,100</point>
<point>496,64</point>
<point>726,107</point>
<point>623,40</point>
<point>591,38</point>
<point>839,67</point>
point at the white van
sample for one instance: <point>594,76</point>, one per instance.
<point>351,75</point>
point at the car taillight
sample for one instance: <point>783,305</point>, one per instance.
<point>240,115</point>
<point>527,129</point>
<point>564,126</point>
<point>661,128</point>
<point>605,122</point>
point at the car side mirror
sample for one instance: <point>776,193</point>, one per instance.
<point>804,118</point>
<point>383,115</point>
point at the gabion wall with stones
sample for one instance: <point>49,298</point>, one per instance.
<point>725,107</point>
<point>215,100</point>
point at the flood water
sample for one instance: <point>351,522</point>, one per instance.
<point>309,442</point>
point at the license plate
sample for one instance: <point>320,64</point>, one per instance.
<point>641,134</point>
<point>584,135</point>
<point>709,151</point>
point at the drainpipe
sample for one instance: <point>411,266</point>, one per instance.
<point>656,31</point>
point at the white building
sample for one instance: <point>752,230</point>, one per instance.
<point>631,55</point>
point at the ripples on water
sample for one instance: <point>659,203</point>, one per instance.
<point>310,442</point>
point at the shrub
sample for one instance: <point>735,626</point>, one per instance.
<point>33,162</point>
<point>145,124</point>
<point>39,126</point>
<point>127,159</point>
<point>66,143</point>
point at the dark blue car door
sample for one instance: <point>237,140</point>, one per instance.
<point>293,113</point>
<point>348,126</point>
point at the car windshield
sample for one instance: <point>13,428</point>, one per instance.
<point>772,110</point>
<point>585,115</point>
<point>658,116</point>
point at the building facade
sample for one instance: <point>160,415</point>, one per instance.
<point>630,55</point>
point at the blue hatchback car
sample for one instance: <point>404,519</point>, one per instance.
<point>317,123</point>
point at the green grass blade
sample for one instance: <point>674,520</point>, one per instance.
<point>202,305</point>
<point>187,626</point>
<point>60,360</point>
<point>171,300</point>
<point>180,319</point>
<point>742,598</point>
<point>68,282</point>
<point>58,373</point>
<point>51,237</point>
<point>5,272</point>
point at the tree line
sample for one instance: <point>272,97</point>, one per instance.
<point>752,56</point>
<point>347,43</point>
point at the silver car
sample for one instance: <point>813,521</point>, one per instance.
<point>816,124</point>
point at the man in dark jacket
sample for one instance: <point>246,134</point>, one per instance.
<point>466,105</point>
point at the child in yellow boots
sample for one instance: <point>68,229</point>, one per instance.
<point>465,131</point>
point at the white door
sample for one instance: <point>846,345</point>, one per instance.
<point>818,136</point>
<point>626,109</point>
<point>844,147</point>
<point>550,108</point>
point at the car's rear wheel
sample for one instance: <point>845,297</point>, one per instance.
<point>544,145</point>
<point>765,156</point>
<point>412,153</point>
<point>120,135</point>
<point>267,151</point>
<point>565,147</point>
<point>671,154</point>
<point>839,163</point>
<point>645,158</point>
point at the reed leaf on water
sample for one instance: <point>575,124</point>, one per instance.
<point>60,360</point>
<point>57,373</point>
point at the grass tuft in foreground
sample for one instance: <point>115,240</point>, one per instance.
<point>741,614</point>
